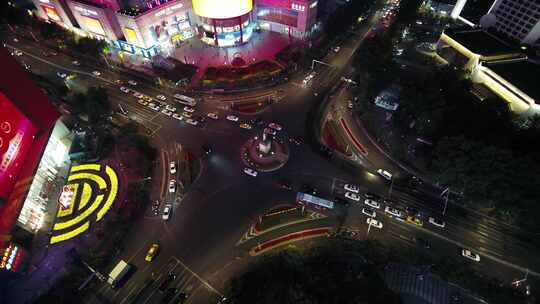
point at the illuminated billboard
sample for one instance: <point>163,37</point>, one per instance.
<point>93,25</point>
<point>16,135</point>
<point>51,13</point>
<point>222,9</point>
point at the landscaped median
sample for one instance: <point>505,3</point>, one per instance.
<point>289,238</point>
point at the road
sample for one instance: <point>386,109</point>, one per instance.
<point>199,242</point>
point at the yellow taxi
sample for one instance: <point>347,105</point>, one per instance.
<point>187,114</point>
<point>415,220</point>
<point>143,102</point>
<point>147,98</point>
<point>152,252</point>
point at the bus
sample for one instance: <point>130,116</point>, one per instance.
<point>186,100</point>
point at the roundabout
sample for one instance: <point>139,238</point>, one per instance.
<point>265,153</point>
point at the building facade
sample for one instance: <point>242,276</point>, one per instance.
<point>518,19</point>
<point>149,27</point>
<point>34,147</point>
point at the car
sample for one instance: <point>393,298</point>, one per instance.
<point>75,63</point>
<point>153,106</point>
<point>124,89</point>
<point>144,103</point>
<point>336,49</point>
<point>172,186</point>
<point>270,131</point>
<point>212,115</point>
<point>309,189</point>
<point>275,126</point>
<point>18,53</point>
<point>189,109</point>
<point>26,66</point>
<point>61,75</point>
<point>53,53</point>
<point>187,115</point>
<point>372,203</point>
<point>147,98</point>
<point>415,220</point>
<point>166,112</point>
<point>436,222</point>
<point>388,201</point>
<point>370,195</point>
<point>177,116</point>
<point>285,184</point>
<point>470,255</point>
<point>387,175</point>
<point>96,73</point>
<point>232,118</point>
<point>166,212</point>
<point>393,212</point>
<point>170,108</point>
<point>350,104</point>
<point>152,252</point>
<point>137,94</point>
<point>206,149</point>
<point>161,97</point>
<point>374,223</point>
<point>172,167</point>
<point>15,40</point>
<point>352,196</point>
<point>245,126</point>
<point>132,82</point>
<point>192,122</point>
<point>170,277</point>
<point>250,172</point>
<point>369,212</point>
<point>351,188</point>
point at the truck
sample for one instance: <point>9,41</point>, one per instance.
<point>118,273</point>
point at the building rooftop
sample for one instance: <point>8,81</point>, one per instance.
<point>482,42</point>
<point>522,74</point>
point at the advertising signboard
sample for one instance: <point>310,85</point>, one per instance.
<point>222,9</point>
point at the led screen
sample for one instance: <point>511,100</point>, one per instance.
<point>131,35</point>
<point>51,13</point>
<point>222,9</point>
<point>16,134</point>
<point>93,25</point>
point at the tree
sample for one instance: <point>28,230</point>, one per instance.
<point>323,275</point>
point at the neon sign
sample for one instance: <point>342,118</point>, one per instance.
<point>169,10</point>
<point>10,258</point>
<point>85,11</point>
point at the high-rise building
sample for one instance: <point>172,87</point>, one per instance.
<point>519,19</point>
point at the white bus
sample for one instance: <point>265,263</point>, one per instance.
<point>186,100</point>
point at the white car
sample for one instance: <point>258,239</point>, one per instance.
<point>251,172</point>
<point>153,107</point>
<point>232,118</point>
<point>76,63</point>
<point>18,53</point>
<point>351,188</point>
<point>124,89</point>
<point>170,108</point>
<point>161,97</point>
<point>374,223</point>
<point>132,82</point>
<point>436,222</point>
<point>166,112</point>
<point>353,196</point>
<point>172,167</point>
<point>192,122</point>
<point>137,94</point>
<point>385,174</point>
<point>178,116</point>
<point>336,49</point>
<point>96,73</point>
<point>166,212</point>
<point>214,116</point>
<point>189,109</point>
<point>369,212</point>
<point>275,126</point>
<point>270,131</point>
<point>470,255</point>
<point>172,186</point>
<point>393,212</point>
<point>372,203</point>
<point>61,75</point>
